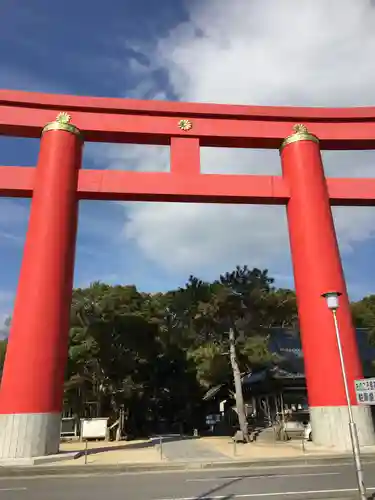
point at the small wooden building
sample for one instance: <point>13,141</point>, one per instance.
<point>281,384</point>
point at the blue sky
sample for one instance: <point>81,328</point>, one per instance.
<point>44,48</point>
<point>200,51</point>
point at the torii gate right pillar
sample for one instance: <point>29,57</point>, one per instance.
<point>318,269</point>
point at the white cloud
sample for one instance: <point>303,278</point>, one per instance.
<point>13,219</point>
<point>256,52</point>
<point>12,212</point>
<point>6,297</point>
<point>6,305</point>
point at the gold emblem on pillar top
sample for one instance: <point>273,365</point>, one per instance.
<point>62,122</point>
<point>300,133</point>
<point>185,125</point>
<point>63,118</point>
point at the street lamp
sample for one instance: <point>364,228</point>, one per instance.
<point>332,299</point>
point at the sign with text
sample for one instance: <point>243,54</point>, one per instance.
<point>94,428</point>
<point>365,391</point>
<point>212,419</point>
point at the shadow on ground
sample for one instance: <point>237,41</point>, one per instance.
<point>210,492</point>
<point>153,441</point>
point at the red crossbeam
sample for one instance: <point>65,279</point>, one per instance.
<point>203,188</point>
<point>156,122</point>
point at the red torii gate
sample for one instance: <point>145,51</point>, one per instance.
<point>32,381</point>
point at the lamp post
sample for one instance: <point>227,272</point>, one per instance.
<point>332,299</point>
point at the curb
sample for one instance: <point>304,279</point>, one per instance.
<point>93,469</point>
<point>43,460</point>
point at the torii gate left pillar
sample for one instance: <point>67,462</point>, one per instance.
<point>33,378</point>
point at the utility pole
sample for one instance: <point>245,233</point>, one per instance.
<point>238,386</point>
<point>332,299</point>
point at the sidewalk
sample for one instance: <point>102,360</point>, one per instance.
<point>113,452</point>
<point>203,450</point>
<point>278,449</point>
<point>179,454</point>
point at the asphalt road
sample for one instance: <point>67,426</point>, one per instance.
<point>277,483</point>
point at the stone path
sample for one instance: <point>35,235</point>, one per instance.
<point>179,449</point>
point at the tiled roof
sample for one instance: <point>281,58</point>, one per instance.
<point>287,346</point>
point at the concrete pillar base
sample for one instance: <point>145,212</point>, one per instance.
<point>330,426</point>
<point>29,435</point>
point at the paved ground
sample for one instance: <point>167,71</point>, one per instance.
<point>295,483</point>
<point>190,450</point>
<point>274,449</point>
<point>210,450</point>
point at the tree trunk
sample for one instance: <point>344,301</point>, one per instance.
<point>238,387</point>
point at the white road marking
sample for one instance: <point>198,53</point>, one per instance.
<point>120,473</point>
<point>263,476</point>
<point>13,489</point>
<point>265,495</point>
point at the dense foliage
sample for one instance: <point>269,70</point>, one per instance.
<point>155,355</point>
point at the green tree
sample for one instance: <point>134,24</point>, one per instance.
<point>122,355</point>
<point>3,349</point>
<point>225,320</point>
<point>363,313</point>
<point>153,356</point>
